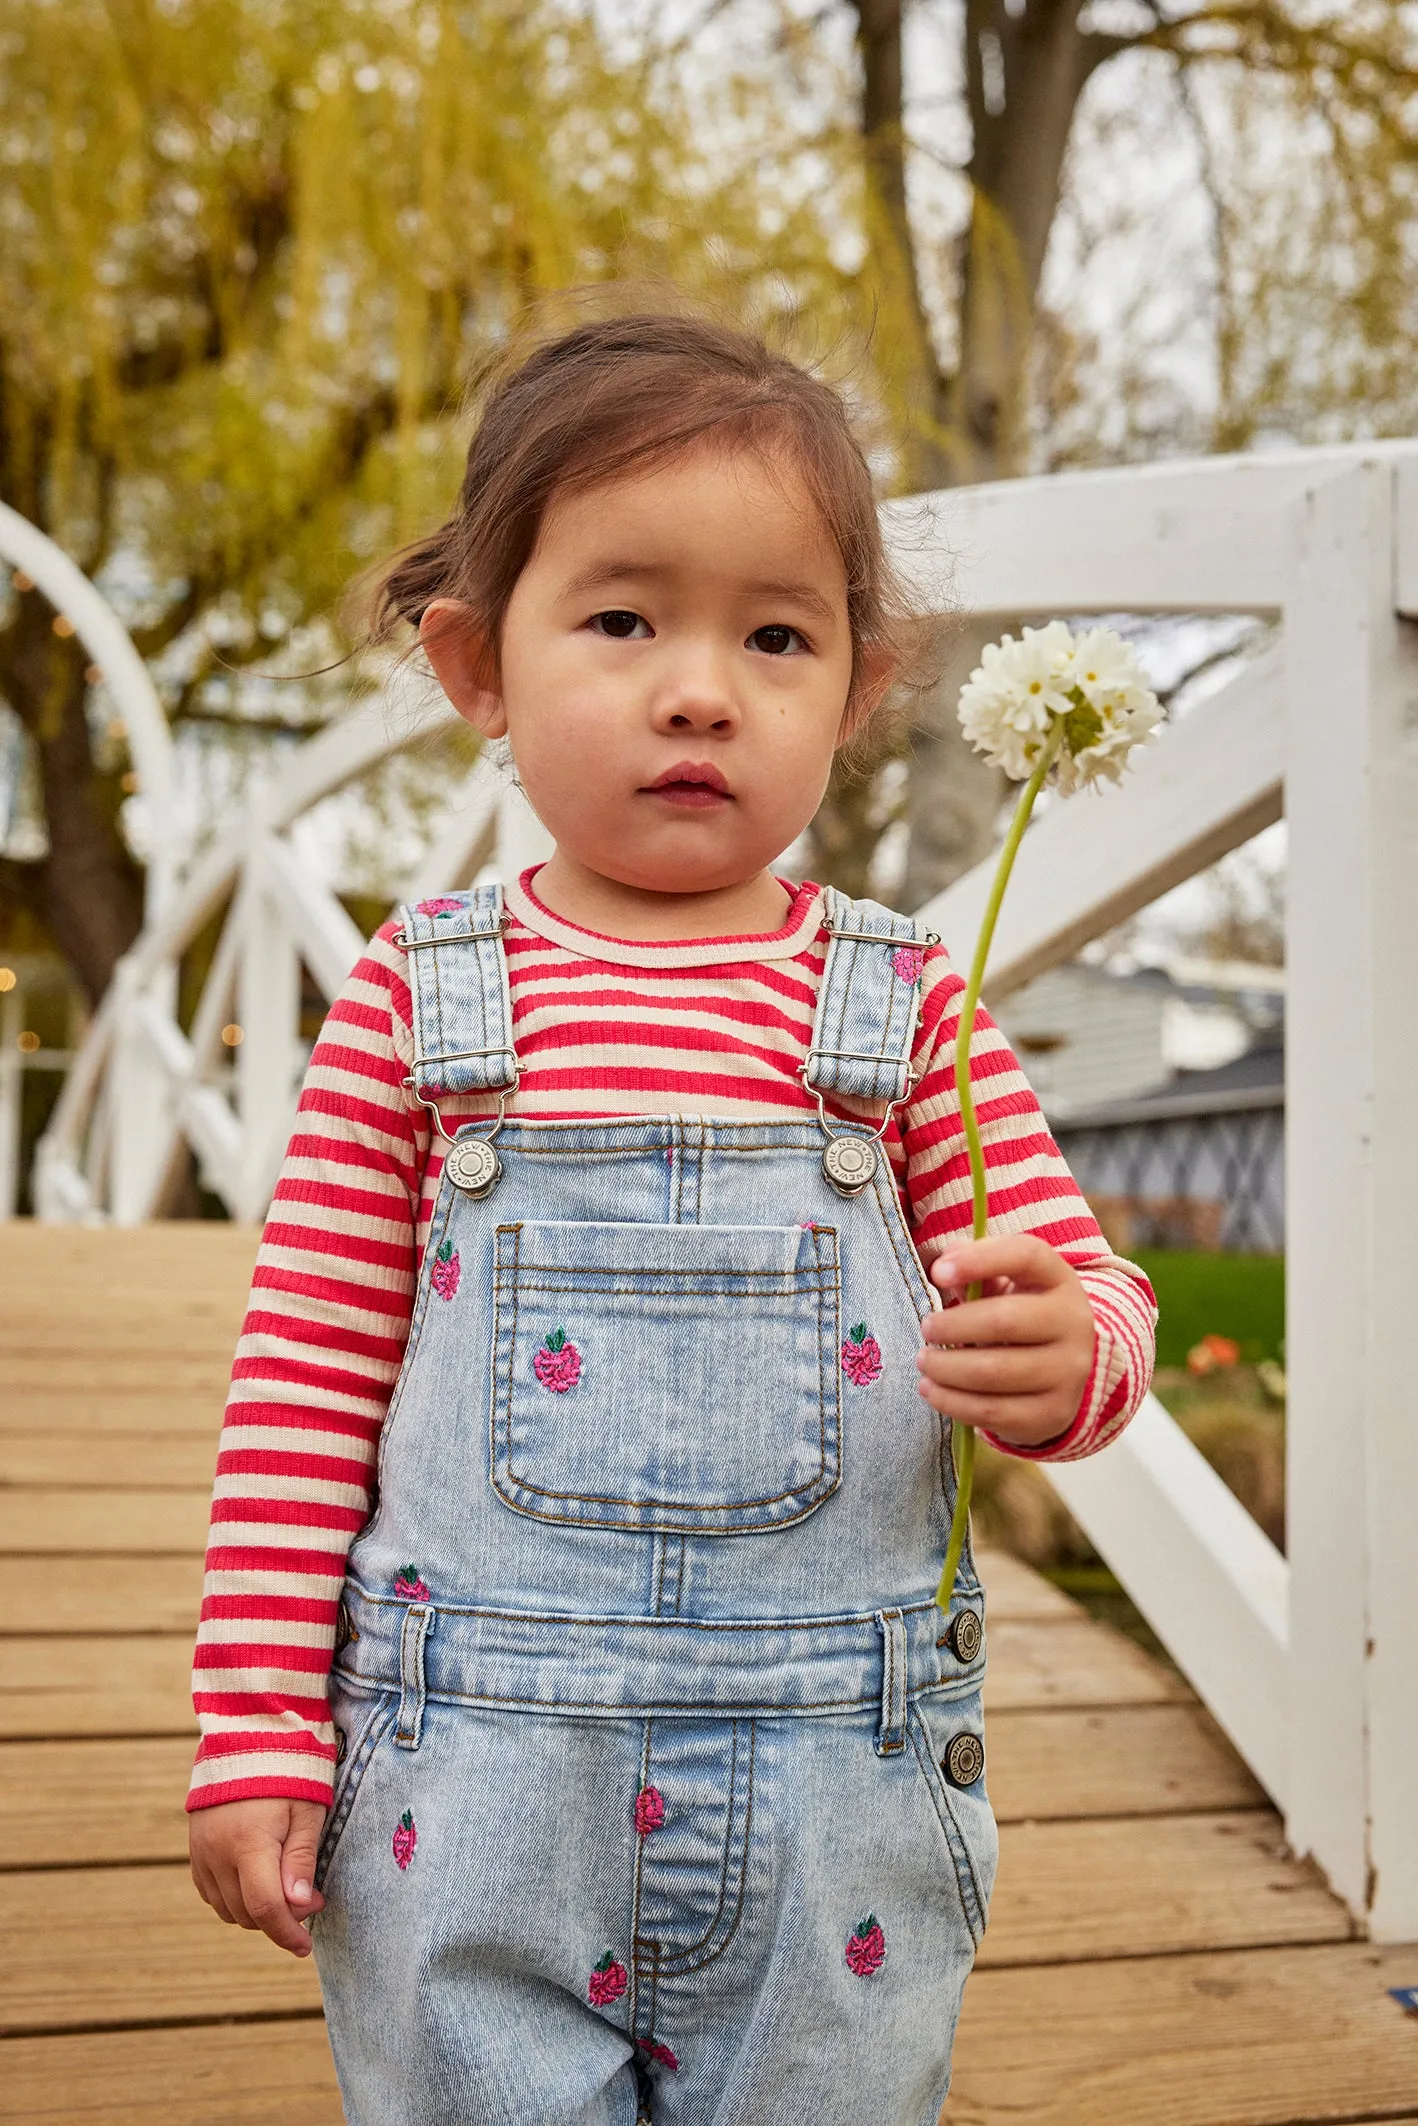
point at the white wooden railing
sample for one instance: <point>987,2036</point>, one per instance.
<point>1309,1661</point>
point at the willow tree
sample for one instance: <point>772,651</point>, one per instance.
<point>251,248</point>
<point>1303,116</point>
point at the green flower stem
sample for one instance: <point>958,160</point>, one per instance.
<point>963,1436</point>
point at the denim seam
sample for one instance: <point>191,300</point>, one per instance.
<point>438,1228</point>
<point>379,1718</point>
<point>636,1865</point>
<point>957,1845</point>
<point>685,1962</point>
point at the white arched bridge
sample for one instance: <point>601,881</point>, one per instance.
<point>1309,1660</point>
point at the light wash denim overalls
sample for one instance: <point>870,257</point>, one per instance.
<point>661,1783</point>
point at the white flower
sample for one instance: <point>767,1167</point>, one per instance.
<point>1092,683</point>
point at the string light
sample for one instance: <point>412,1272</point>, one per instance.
<point>63,626</point>
<point>8,979</point>
<point>28,1042</point>
<point>232,1036</point>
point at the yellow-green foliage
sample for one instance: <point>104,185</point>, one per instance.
<point>251,248</point>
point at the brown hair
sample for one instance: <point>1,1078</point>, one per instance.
<point>631,391</point>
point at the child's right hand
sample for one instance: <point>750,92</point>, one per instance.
<point>254,1863</point>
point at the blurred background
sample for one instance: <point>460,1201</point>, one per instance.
<point>251,254</point>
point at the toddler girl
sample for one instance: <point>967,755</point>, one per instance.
<point>569,1661</point>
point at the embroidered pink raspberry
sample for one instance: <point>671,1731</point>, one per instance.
<point>439,907</point>
<point>558,1363</point>
<point>861,1357</point>
<point>409,1582</point>
<point>866,1949</point>
<point>607,1982</point>
<point>405,1839</point>
<point>659,2052</point>
<point>907,962</point>
<point>649,1810</point>
<point>447,1270</point>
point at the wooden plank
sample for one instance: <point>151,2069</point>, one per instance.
<point>116,1596</point>
<point>151,1372</point>
<point>246,2074</point>
<point>143,1523</point>
<point>70,1955</point>
<point>119,1461</point>
<point>1014,1590</point>
<point>1250,2038</point>
<point>1135,1760</point>
<point>96,1686</point>
<point>1147,1886</point>
<point>1076,1663</point>
<point>95,1408</point>
<point>92,1803</point>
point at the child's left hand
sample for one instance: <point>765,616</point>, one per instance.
<point>1016,1360</point>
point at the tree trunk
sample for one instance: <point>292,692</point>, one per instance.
<point>1024,73</point>
<point>87,891</point>
<point>953,793</point>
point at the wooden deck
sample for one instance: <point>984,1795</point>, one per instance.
<point>1154,1957</point>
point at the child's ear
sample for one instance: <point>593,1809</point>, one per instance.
<point>464,664</point>
<point>871,683</point>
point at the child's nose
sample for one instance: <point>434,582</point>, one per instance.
<point>698,697</point>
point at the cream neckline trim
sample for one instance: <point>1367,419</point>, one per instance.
<point>805,918</point>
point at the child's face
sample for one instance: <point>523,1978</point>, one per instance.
<point>675,661</point>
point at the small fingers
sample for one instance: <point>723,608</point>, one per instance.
<point>1011,1318</point>
<point>264,1904</point>
<point>990,1369</point>
<point>1024,1420</point>
<point>1022,1257</point>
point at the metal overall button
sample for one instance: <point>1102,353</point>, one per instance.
<point>964,1635</point>
<point>964,1761</point>
<point>345,1633</point>
<point>473,1166</point>
<point>850,1163</point>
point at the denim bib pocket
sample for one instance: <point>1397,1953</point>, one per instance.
<point>364,1722</point>
<point>966,1819</point>
<point>681,1378</point>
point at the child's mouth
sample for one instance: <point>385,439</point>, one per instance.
<point>692,784</point>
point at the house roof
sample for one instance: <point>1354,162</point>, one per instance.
<point>1255,1079</point>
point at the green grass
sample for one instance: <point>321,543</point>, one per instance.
<point>1242,1296</point>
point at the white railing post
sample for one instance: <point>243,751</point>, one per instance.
<point>143,1121</point>
<point>11,1093</point>
<point>1351,1189</point>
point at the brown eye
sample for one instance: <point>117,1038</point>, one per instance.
<point>620,626</point>
<point>775,640</point>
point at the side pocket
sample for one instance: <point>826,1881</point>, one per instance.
<point>966,1819</point>
<point>363,1722</point>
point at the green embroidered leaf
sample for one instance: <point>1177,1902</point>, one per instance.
<point>858,1333</point>
<point>445,1253</point>
<point>606,1961</point>
<point>406,1821</point>
<point>556,1339</point>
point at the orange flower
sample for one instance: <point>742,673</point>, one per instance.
<point>1211,1352</point>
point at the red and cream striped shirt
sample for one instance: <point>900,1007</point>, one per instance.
<point>603,1027</point>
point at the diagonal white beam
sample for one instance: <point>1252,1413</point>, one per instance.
<point>1209,783</point>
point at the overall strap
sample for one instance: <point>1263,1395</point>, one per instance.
<point>869,1000</point>
<point>462,1004</point>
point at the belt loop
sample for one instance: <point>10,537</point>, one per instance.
<point>418,1623</point>
<point>891,1735</point>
